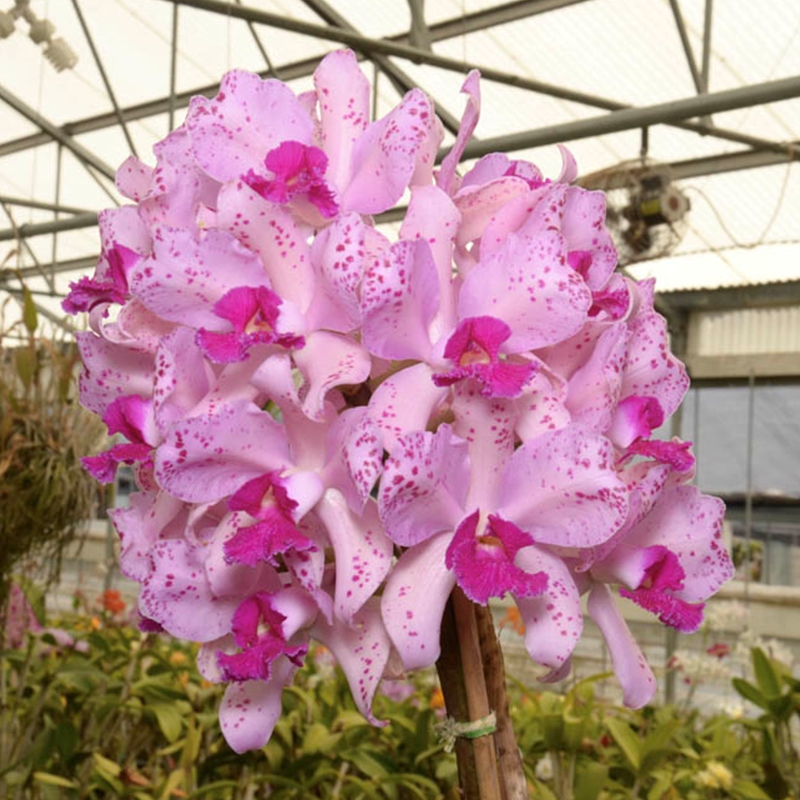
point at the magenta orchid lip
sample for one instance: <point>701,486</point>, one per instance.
<point>332,427</point>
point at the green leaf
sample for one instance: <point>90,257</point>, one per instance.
<point>748,790</point>
<point>750,692</point>
<point>590,778</point>
<point>627,740</point>
<point>54,780</point>
<point>106,766</point>
<point>169,720</point>
<point>29,315</point>
<point>766,676</point>
<point>25,361</point>
<point>319,739</point>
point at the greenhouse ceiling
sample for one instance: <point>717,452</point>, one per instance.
<point>698,101</point>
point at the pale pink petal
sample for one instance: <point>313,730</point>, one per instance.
<point>689,524</point>
<point>207,458</point>
<point>387,155</point>
<point>392,412</point>
<point>355,452</point>
<point>630,666</point>
<point>541,408</point>
<point>486,169</point>
<point>554,620</point>
<point>594,389</point>
<point>232,132</point>
<point>363,552</point>
<point>583,228</point>
<point>112,370</point>
<point>479,204</point>
<point>562,488</point>
<point>270,231</point>
<point>133,179</point>
<point>432,216</point>
<point>651,370</point>
<point>150,517</point>
<point>487,425</point>
<point>569,166</point>
<point>186,277</point>
<point>250,710</point>
<point>423,487</point>
<point>472,88</point>
<point>339,257</point>
<point>180,191</point>
<point>343,94</point>
<point>123,226</point>
<point>329,360</point>
<point>399,297</point>
<point>413,601</point>
<point>183,377</point>
<point>177,594</point>
<point>362,650</point>
<point>530,287</point>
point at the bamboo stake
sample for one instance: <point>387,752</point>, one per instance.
<point>512,773</point>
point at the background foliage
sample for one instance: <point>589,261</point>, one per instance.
<point>97,709</point>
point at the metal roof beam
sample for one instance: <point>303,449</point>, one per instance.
<point>84,155</point>
<point>668,113</point>
<point>26,203</point>
<point>440,31</point>
<point>85,220</point>
<point>73,265</point>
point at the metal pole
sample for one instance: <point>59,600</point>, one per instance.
<point>704,76</point>
<point>662,113</point>
<point>173,67</point>
<point>73,265</point>
<point>24,203</point>
<point>104,76</point>
<point>57,199</point>
<point>687,47</point>
<point>84,155</point>
<point>748,500</point>
<point>75,222</point>
<point>263,50</point>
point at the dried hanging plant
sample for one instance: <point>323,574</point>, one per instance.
<point>45,494</point>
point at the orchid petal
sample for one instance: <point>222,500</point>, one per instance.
<point>389,153</point>
<point>133,179</point>
<point>362,650</point>
<point>363,552</point>
<point>270,231</point>
<point>472,88</point>
<point>569,166</point>
<point>413,601</point>
<point>392,412</point>
<point>344,96</point>
<point>207,458</point>
<point>329,360</point>
<point>651,370</point>
<point>423,486</point>
<point>250,710</point>
<point>627,659</point>
<point>562,488</point>
<point>111,370</point>
<point>433,217</point>
<point>177,595</point>
<point>233,132</point>
<point>399,297</point>
<point>554,620</point>
<point>478,205</point>
<point>529,286</point>
<point>583,228</point>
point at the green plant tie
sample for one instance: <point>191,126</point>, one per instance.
<point>449,730</point>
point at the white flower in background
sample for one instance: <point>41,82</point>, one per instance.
<point>731,708</point>
<point>544,768</point>
<point>699,667</point>
<point>715,776</point>
<point>728,615</point>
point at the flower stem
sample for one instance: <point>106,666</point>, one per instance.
<point>461,674</point>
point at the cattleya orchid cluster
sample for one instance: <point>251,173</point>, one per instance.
<point>332,429</point>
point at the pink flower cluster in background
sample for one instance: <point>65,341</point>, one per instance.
<point>331,428</point>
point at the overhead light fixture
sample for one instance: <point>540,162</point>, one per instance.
<point>55,49</point>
